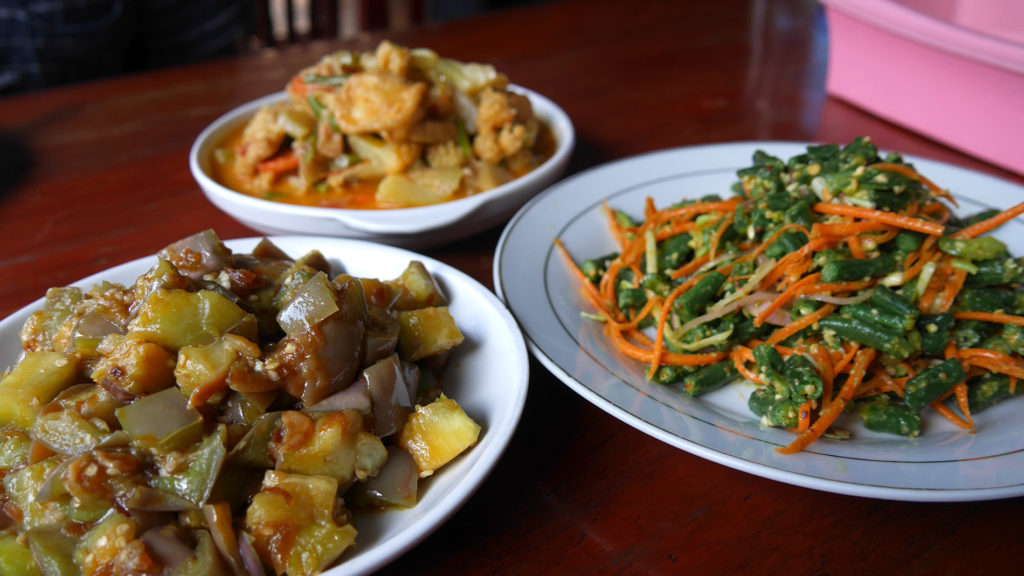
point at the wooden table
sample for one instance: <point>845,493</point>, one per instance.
<point>577,491</point>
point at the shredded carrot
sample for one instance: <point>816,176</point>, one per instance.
<point>805,321</point>
<point>994,361</point>
<point>279,164</point>
<point>740,356</point>
<point>697,209</point>
<point>948,414</point>
<point>975,230</point>
<point>588,288</point>
<point>847,357</point>
<point>886,236</point>
<point>643,313</point>
<point>674,229</point>
<point>753,254</point>
<point>995,317</point>
<point>299,87</point>
<point>856,248</point>
<point>666,307</point>
<point>961,401</point>
<point>879,383</point>
<point>611,276</point>
<point>670,358</point>
<point>690,268</point>
<point>804,415</point>
<point>891,218</point>
<point>950,290</point>
<point>846,229</point>
<point>650,210</point>
<point>829,415</point>
<point>944,214</point>
<point>726,222</point>
<point>613,225</point>
<point>785,297</point>
<point>783,264</point>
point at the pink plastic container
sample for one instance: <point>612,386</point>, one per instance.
<point>952,70</point>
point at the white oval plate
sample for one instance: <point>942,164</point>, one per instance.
<point>411,227</point>
<point>488,376</point>
<point>944,464</point>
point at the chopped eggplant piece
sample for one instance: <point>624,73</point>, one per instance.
<point>212,418</point>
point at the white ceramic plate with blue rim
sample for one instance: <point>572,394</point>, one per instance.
<point>945,463</point>
<point>488,375</point>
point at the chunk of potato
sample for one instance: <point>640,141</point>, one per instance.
<point>16,557</point>
<point>176,318</point>
<point>437,433</point>
<point>416,288</point>
<point>391,157</point>
<point>134,365</point>
<point>292,522</point>
<point>420,187</point>
<point>338,447</point>
<point>32,383</point>
<point>426,332</point>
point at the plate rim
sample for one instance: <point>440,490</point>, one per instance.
<point>726,458</point>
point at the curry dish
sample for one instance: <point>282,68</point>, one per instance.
<point>393,128</point>
<point>226,414</point>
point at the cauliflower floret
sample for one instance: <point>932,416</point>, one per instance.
<point>445,155</point>
<point>261,139</point>
<point>500,123</point>
<point>376,102</point>
<point>511,138</point>
<point>393,58</point>
<point>494,111</point>
<point>492,146</point>
<point>486,147</point>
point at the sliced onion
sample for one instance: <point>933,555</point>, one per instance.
<point>94,325</point>
<point>53,486</point>
<point>731,307</point>
<point>218,520</point>
<point>395,484</point>
<point>779,317</point>
<point>311,305</point>
<point>250,559</point>
<point>166,545</point>
<point>389,383</point>
<point>355,397</point>
<point>211,252</point>
<point>840,300</point>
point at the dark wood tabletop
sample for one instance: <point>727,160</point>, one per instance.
<point>98,175</point>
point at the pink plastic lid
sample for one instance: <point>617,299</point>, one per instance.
<point>989,31</point>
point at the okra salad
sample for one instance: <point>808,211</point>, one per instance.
<point>225,414</point>
<point>835,281</point>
